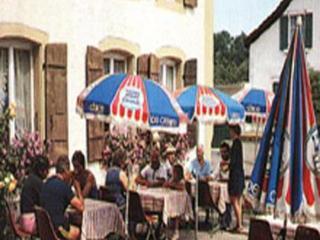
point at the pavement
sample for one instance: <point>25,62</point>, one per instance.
<point>220,235</point>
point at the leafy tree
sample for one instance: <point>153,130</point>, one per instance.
<point>230,58</point>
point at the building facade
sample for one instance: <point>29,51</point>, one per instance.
<point>269,42</point>
<point>51,50</point>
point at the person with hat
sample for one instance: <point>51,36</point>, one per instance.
<point>170,160</point>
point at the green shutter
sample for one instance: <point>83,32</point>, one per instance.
<point>308,36</point>
<point>284,33</point>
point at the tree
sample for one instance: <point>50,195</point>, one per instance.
<point>230,58</point>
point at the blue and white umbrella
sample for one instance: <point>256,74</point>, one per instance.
<point>209,105</point>
<point>129,100</point>
<point>257,103</point>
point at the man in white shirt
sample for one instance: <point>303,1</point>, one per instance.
<point>154,174</point>
<point>170,160</point>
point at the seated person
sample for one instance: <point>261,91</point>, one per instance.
<point>30,195</point>
<point>170,160</point>
<point>116,178</point>
<point>199,167</point>
<point>154,174</point>
<point>221,173</point>
<point>85,178</point>
<point>177,181</point>
<point>57,194</point>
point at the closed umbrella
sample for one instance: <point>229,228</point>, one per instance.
<point>286,175</point>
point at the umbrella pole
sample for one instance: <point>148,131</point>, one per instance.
<point>197,207</point>
<point>256,142</point>
<point>127,203</point>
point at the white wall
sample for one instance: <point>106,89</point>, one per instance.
<point>266,59</point>
<point>81,22</point>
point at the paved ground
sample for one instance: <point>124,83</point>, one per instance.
<point>218,235</point>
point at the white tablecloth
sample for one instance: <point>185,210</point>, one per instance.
<point>170,202</point>
<point>99,219</point>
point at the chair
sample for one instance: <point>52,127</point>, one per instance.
<point>15,227</point>
<point>204,198</point>
<point>259,229</point>
<point>106,195</point>
<point>44,225</point>
<point>137,215</point>
<point>309,233</point>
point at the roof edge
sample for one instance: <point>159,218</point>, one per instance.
<point>255,34</point>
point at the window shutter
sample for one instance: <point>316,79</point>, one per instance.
<point>95,128</point>
<point>308,32</point>
<point>143,65</point>
<point>149,67</point>
<point>283,32</point>
<point>56,99</point>
<point>190,3</point>
<point>154,68</point>
<point>190,72</point>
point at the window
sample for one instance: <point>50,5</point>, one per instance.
<point>115,63</point>
<point>288,25</point>
<point>168,74</point>
<point>16,83</point>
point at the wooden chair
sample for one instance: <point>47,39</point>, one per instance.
<point>14,225</point>
<point>259,229</point>
<point>137,215</point>
<point>44,225</point>
<point>309,233</point>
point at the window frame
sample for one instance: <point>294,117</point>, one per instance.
<point>164,64</point>
<point>11,45</point>
<point>112,56</point>
<point>296,14</point>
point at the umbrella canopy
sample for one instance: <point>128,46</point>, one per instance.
<point>257,102</point>
<point>129,100</point>
<point>286,175</point>
<point>209,105</point>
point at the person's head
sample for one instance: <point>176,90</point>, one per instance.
<point>78,162</point>
<point>225,151</point>
<point>170,154</point>
<point>177,172</point>
<point>118,158</point>
<point>155,161</point>
<point>41,166</point>
<point>63,167</point>
<point>234,131</point>
<point>200,153</point>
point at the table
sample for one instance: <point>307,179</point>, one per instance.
<point>219,193</point>
<point>99,219</point>
<point>171,203</point>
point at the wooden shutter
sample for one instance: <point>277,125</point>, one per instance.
<point>56,99</point>
<point>190,3</point>
<point>95,128</point>
<point>284,33</point>
<point>154,68</point>
<point>308,31</point>
<point>148,66</point>
<point>143,65</point>
<point>190,72</point>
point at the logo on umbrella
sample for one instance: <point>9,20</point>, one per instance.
<point>131,98</point>
<point>208,101</point>
<point>313,151</point>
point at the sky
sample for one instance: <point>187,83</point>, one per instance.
<point>238,16</point>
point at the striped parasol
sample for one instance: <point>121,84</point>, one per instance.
<point>129,100</point>
<point>286,175</point>
<point>209,105</point>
